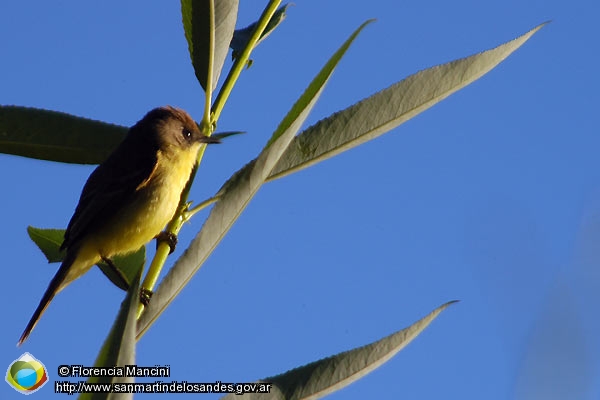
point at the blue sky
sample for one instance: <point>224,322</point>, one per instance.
<point>491,197</point>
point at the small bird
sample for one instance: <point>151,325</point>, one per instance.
<point>129,198</point>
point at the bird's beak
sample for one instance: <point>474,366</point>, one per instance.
<point>208,139</point>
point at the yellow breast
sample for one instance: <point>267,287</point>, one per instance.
<point>153,206</point>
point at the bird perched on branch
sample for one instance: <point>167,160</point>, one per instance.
<point>129,198</point>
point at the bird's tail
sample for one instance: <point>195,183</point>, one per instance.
<point>53,288</point>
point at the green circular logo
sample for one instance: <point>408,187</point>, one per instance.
<point>26,374</point>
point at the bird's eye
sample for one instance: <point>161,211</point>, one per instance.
<point>186,133</point>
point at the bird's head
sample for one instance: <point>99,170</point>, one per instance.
<point>172,129</point>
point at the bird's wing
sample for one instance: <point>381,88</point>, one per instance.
<point>110,186</point>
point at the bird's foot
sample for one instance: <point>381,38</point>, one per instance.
<point>145,296</point>
<point>169,238</point>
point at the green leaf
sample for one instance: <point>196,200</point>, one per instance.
<point>389,108</point>
<point>323,377</point>
<point>50,240</point>
<point>119,347</point>
<point>237,193</point>
<point>56,136</point>
<point>126,266</point>
<point>199,26</point>
<point>242,36</point>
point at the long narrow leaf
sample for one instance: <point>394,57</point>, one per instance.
<point>320,378</point>
<point>389,108</point>
<point>239,191</point>
<point>242,36</point>
<point>56,136</point>
<point>119,347</point>
<point>198,29</point>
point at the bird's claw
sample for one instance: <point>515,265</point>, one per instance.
<point>168,237</point>
<point>145,296</point>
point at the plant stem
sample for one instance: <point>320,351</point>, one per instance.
<point>199,207</point>
<point>240,62</point>
<point>206,118</point>
<point>207,126</point>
